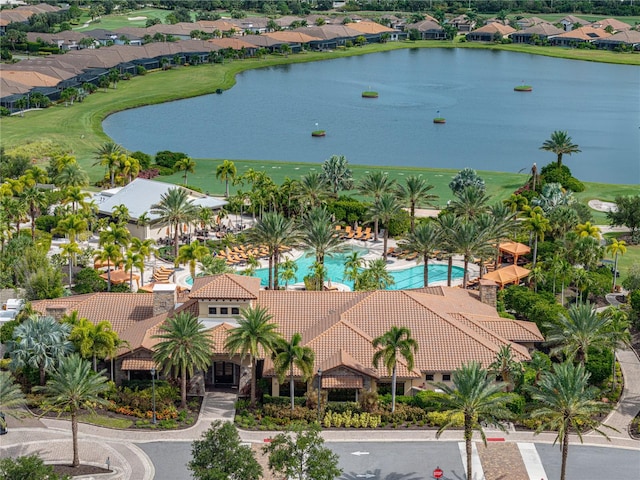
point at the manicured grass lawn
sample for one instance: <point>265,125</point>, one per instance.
<point>105,421</point>
<point>632,256</point>
<point>115,21</point>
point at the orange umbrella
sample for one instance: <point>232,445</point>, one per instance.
<point>119,276</point>
<point>505,276</point>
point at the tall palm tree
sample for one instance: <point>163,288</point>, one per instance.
<point>71,225</point>
<point>184,346</point>
<point>226,171</point>
<point>503,224</point>
<point>144,248</point>
<point>374,184</point>
<point>474,394</point>
<point>448,223</point>
<point>353,263</point>
<point>567,404</point>
<point>174,209</point>
<point>506,367</point>
<point>255,334</point>
<point>384,209</point>
<point>312,190</point>
<point>538,224</point>
<point>70,250</point>
<point>287,355</point>
<point>35,200</point>
<point>191,254</point>
<point>318,233</point>
<point>619,334</point>
<point>616,247</point>
<point>120,213</point>
<point>39,342</point>
<point>115,234</point>
<point>424,241</point>
<point>336,171</point>
<point>392,345</point>
<point>133,260</point>
<point>577,331</point>
<point>186,165</point>
<point>108,156</point>
<point>560,143</point>
<point>11,396</point>
<point>75,196</point>
<point>111,254</point>
<point>275,231</point>
<point>416,192</point>
<point>73,387</point>
<point>470,239</point>
<point>288,271</point>
<point>586,229</point>
<point>93,341</point>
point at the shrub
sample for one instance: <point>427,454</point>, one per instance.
<point>599,365</point>
<point>46,223</point>
<point>168,159</point>
<point>149,173</point>
<point>283,401</point>
<point>400,224</point>
<point>143,159</point>
<point>163,171</point>
<point>347,209</point>
<point>429,400</point>
<point>88,281</point>
<point>438,419</point>
<point>517,404</point>
<point>4,112</point>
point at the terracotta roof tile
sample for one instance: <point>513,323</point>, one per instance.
<point>371,28</point>
<point>342,382</point>
<point>225,286</point>
<point>138,364</point>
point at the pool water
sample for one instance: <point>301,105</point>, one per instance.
<point>411,277</point>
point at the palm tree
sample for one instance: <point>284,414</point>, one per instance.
<point>71,225</point>
<point>73,387</point>
<point>469,202</point>
<point>448,223</point>
<point>226,171</point>
<point>560,144</point>
<point>337,173</point>
<point>384,209</point>
<point>75,196</point>
<point>274,231</point>
<point>35,200</point>
<point>566,405</point>
<point>503,223</point>
<point>115,234</point>
<point>375,276</point>
<point>374,184</point>
<point>131,260</point>
<point>318,233</point>
<point>254,334</point>
<point>506,367</point>
<point>144,248</point>
<point>287,355</point>
<point>174,209</point>
<point>474,394</point>
<point>424,241</point>
<point>11,396</point>
<point>70,250</point>
<point>470,238</point>
<point>93,341</point>
<point>71,175</point>
<point>110,253</point>
<point>185,345</point>
<point>395,343</point>
<point>586,229</point>
<point>352,265</point>
<point>577,331</point>
<point>186,165</point>
<point>288,270</point>
<point>39,342</point>
<point>191,254</point>
<point>538,224</point>
<point>619,334</point>
<point>312,190</point>
<point>108,156</point>
<point>616,247</point>
<point>416,192</point>
<point>120,213</point>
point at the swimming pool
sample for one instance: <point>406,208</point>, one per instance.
<point>411,277</point>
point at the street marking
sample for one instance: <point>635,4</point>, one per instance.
<point>359,453</point>
<point>476,466</point>
<point>532,461</point>
<point>365,475</point>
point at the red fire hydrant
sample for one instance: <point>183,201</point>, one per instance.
<point>438,473</point>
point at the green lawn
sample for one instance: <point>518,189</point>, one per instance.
<point>105,421</point>
<point>115,21</point>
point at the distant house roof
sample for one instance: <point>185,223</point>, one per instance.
<point>587,33</point>
<point>573,20</point>
<point>424,26</point>
<point>492,28</point>
<point>234,43</point>
<point>617,25</point>
<point>290,36</point>
<point>329,32</point>
<point>141,194</point>
<point>371,28</point>
<point>628,37</point>
<point>30,78</point>
<point>544,29</point>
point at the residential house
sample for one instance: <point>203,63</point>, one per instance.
<point>67,40</point>
<point>452,326</point>
<point>628,38</point>
<point>490,32</point>
<point>528,22</point>
<point>541,32</point>
<point>429,30</point>
<point>576,36</point>
<point>571,22</point>
<point>374,32</point>
<point>616,25</point>
<point>463,24</point>
<point>329,37</point>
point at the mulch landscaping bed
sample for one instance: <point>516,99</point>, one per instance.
<point>81,469</point>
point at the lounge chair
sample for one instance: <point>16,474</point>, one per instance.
<point>338,231</point>
<point>347,232</point>
<point>390,251</point>
<point>358,233</point>
<point>411,256</point>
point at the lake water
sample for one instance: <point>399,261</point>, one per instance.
<point>270,114</point>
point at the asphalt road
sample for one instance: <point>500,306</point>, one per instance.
<point>417,460</point>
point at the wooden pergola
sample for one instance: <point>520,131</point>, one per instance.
<point>507,275</point>
<point>514,248</point>
<point>119,276</point>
